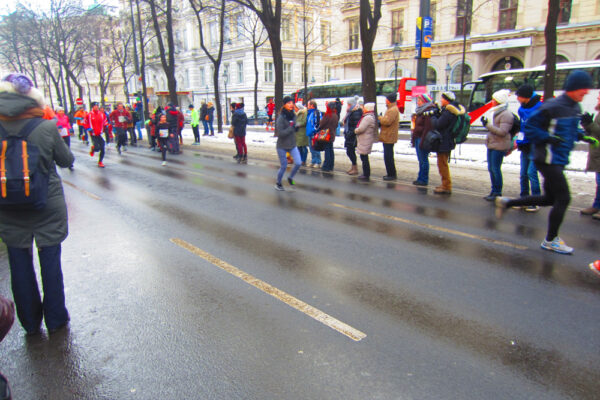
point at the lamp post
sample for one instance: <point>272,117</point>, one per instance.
<point>396,52</point>
<point>225,79</point>
<point>447,69</point>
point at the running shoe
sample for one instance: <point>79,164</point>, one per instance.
<point>595,267</point>
<point>92,152</point>
<point>557,245</point>
<point>279,186</point>
<point>100,165</point>
<point>532,209</point>
<point>291,182</point>
<point>164,163</point>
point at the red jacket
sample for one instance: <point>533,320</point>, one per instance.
<point>120,119</point>
<point>95,120</point>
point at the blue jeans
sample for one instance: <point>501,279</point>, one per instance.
<point>423,157</point>
<point>315,156</point>
<point>329,158</point>
<point>283,162</point>
<point>30,307</point>
<point>303,153</point>
<point>529,175</point>
<point>138,127</point>
<point>205,125</point>
<point>597,199</point>
<point>494,160</point>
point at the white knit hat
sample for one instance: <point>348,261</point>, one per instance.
<point>369,106</point>
<point>501,96</point>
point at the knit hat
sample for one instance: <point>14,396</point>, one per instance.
<point>578,80</point>
<point>287,99</point>
<point>191,106</point>
<point>369,107</point>
<point>21,84</point>
<point>391,97</point>
<point>449,96</point>
<point>425,98</point>
<point>360,102</point>
<point>501,96</point>
<point>525,91</point>
<point>352,101</point>
<point>299,105</point>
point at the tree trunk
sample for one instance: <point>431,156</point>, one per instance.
<point>255,82</point>
<point>142,63</point>
<point>275,41</point>
<point>550,35</point>
<point>368,31</point>
<point>218,101</point>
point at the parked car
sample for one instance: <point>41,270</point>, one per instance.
<point>187,116</point>
<point>261,118</point>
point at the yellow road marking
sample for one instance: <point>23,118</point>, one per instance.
<point>429,226</point>
<point>288,299</point>
<point>92,195</point>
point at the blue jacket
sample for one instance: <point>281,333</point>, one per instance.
<point>239,120</point>
<point>312,121</point>
<point>560,117</point>
<point>525,112</point>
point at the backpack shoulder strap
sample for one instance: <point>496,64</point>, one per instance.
<point>29,127</point>
<point>3,133</point>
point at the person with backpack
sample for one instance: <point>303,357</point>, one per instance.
<point>444,121</point>
<point>552,131</point>
<point>313,120</point>
<point>498,140</point>
<point>95,122</point>
<point>530,102</point>
<point>21,221</point>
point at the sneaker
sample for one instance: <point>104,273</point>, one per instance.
<point>419,183</point>
<point>501,205</point>
<point>389,178</point>
<point>595,267</point>
<point>92,152</point>
<point>363,178</point>
<point>531,209</point>
<point>100,165</point>
<point>589,211</point>
<point>164,163</point>
<point>124,148</point>
<point>279,186</point>
<point>596,216</point>
<point>291,182</point>
<point>557,245</point>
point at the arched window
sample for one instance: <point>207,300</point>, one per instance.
<point>431,75</point>
<point>559,59</point>
<point>507,63</point>
<point>456,73</point>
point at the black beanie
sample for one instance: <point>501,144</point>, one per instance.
<point>287,99</point>
<point>578,80</point>
<point>391,97</point>
<point>525,91</point>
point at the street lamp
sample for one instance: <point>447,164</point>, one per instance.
<point>447,69</point>
<point>396,52</point>
<point>225,80</point>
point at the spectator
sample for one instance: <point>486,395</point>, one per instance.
<point>329,121</point>
<point>422,125</point>
<point>390,122</point>
<point>366,135</point>
<point>353,115</point>
<point>301,138</point>
<point>592,127</point>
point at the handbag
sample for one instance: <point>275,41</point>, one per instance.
<point>320,139</point>
<point>431,141</point>
<point>230,135</point>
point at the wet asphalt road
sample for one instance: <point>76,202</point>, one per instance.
<point>455,304</point>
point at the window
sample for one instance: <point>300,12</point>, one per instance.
<point>397,26</point>
<point>431,75</point>
<point>354,33</point>
<point>202,77</point>
<point>213,33</point>
<point>226,76</point>
<point>285,29</point>
<point>325,33</point>
<point>239,26</point>
<point>564,12</point>
<point>464,13</point>
<point>287,72</point>
<point>240,71</point>
<point>327,73</point>
<point>432,13</point>
<point>307,72</point>
<point>226,31</point>
<point>508,15</point>
<point>456,74</point>
<point>268,71</point>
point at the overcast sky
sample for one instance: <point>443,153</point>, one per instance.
<point>7,6</point>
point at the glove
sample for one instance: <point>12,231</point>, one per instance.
<point>484,121</point>
<point>591,140</point>
<point>554,140</point>
<point>587,119</point>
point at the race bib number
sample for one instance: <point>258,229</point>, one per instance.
<point>520,136</point>
<point>122,118</point>
<point>163,133</point>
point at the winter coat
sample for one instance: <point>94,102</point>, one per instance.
<point>49,225</point>
<point>329,121</point>
<point>498,136</point>
<point>285,131</point>
<point>390,122</point>
<point>560,115</point>
<point>423,124</point>
<point>352,118</point>
<point>366,133</point>
<point>593,161</point>
<point>63,122</point>
<point>120,118</point>
<point>313,120</point>
<point>194,117</point>
<point>525,112</point>
<point>203,111</point>
<point>301,138</point>
<point>211,113</point>
<point>239,120</point>
<point>172,119</point>
<point>444,122</point>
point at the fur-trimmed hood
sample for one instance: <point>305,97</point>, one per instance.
<point>12,105</point>
<point>35,94</point>
<point>457,109</point>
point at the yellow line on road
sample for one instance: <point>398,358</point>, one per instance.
<point>429,226</point>
<point>92,195</point>
<point>288,299</point>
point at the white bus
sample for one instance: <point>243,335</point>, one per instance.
<point>487,84</point>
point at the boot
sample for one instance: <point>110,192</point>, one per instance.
<point>353,170</point>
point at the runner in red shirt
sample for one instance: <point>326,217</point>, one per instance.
<point>94,123</point>
<point>120,118</point>
<point>270,110</point>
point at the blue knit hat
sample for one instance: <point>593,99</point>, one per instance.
<point>578,80</point>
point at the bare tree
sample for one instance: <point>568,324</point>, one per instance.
<point>550,35</point>
<point>369,20</point>
<point>255,32</point>
<point>120,42</point>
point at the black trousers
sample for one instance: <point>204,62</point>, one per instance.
<point>98,146</point>
<point>196,131</point>
<point>388,158</point>
<point>351,153</point>
<point>366,166</point>
<point>555,193</point>
<point>121,134</point>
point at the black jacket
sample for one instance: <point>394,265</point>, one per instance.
<point>352,120</point>
<point>444,122</point>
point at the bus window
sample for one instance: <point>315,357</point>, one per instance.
<point>478,96</point>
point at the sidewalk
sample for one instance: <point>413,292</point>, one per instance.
<point>468,165</point>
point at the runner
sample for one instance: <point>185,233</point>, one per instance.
<point>120,119</point>
<point>270,109</point>
<point>95,122</point>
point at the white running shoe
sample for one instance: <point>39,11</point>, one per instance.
<point>164,163</point>
<point>557,245</point>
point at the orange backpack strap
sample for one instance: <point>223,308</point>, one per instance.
<point>25,168</point>
<point>3,167</point>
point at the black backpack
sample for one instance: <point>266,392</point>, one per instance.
<point>516,126</point>
<point>23,186</point>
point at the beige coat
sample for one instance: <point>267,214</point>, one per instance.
<point>366,133</point>
<point>389,124</point>
<point>498,137</point>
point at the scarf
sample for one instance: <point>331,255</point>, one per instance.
<point>499,108</point>
<point>421,109</point>
<point>288,114</point>
<point>34,112</point>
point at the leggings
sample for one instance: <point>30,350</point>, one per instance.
<point>366,166</point>
<point>240,144</point>
<point>162,144</point>
<point>556,194</point>
<point>351,153</point>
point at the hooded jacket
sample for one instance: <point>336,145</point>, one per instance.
<point>498,136</point>
<point>444,124</point>
<point>366,133</point>
<point>390,124</point>
<point>525,112</point>
<point>49,225</point>
<point>285,130</point>
<point>239,120</point>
